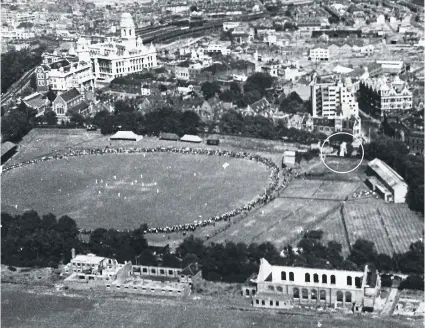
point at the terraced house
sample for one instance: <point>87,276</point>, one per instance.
<point>283,287</point>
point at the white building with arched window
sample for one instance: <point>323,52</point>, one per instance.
<point>118,56</point>
<point>284,286</point>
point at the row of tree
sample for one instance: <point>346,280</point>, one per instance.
<point>15,64</point>
<point>34,241</point>
<point>232,262</point>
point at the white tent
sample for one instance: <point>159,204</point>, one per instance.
<point>126,135</point>
<point>342,70</point>
<point>191,138</point>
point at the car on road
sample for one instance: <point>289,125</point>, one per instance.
<point>91,127</point>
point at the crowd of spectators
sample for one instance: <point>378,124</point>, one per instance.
<point>261,199</point>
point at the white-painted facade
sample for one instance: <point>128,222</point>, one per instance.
<point>118,57</point>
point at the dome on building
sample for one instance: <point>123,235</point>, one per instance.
<point>126,20</point>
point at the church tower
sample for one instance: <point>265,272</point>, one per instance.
<point>128,31</point>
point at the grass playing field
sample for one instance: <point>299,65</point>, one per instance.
<point>173,189</point>
<point>23,309</point>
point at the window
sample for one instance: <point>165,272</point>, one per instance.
<point>170,272</point>
<point>291,276</point>
<point>263,302</point>
<point>358,282</point>
<point>322,295</point>
<point>145,270</point>
<point>108,286</point>
<point>296,292</point>
<point>134,287</point>
<point>348,297</point>
<point>333,280</point>
<point>316,277</point>
<point>305,293</point>
<point>279,289</point>
<point>161,271</point>
<point>324,279</point>
<point>349,281</point>
<point>283,275</point>
<point>153,271</point>
<point>271,303</point>
<point>271,288</point>
<point>339,296</point>
<point>314,294</point>
<point>257,301</point>
<point>307,277</point>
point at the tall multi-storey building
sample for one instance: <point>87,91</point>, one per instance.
<point>385,96</point>
<point>118,57</point>
<point>282,287</point>
<point>319,54</point>
<point>333,99</point>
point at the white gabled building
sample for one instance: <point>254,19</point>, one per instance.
<point>118,57</point>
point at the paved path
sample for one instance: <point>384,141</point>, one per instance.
<point>391,303</point>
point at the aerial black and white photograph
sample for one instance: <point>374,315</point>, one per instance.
<point>212,164</point>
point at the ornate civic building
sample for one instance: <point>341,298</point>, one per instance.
<point>118,56</point>
<point>284,287</point>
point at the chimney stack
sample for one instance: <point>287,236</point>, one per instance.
<point>73,253</point>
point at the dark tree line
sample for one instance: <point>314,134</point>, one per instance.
<point>14,64</point>
<point>164,119</point>
<point>34,241</point>
<point>17,122</point>
<point>31,240</point>
<point>232,262</point>
<point>232,122</point>
<point>411,168</point>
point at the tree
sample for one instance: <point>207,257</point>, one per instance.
<point>384,263</point>
<point>417,18</point>
<point>162,88</point>
<point>77,119</point>
<point>16,124</point>
<point>231,122</point>
<point>209,89</point>
<point>362,252</point>
<point>189,259</point>
<point>50,118</point>
<point>259,82</point>
<point>193,8</point>
<point>414,282</point>
<point>190,122</point>
<point>122,106</point>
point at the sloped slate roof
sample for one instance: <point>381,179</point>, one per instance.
<point>70,94</point>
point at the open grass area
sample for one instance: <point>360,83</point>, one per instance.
<point>280,222</point>
<point>319,189</point>
<point>174,189</point>
<point>23,309</point>
<point>391,227</point>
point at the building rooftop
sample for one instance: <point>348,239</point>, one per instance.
<point>89,258</point>
<point>391,177</point>
<point>70,94</point>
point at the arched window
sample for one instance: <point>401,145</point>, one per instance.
<point>349,281</point>
<point>291,276</point>
<point>314,294</point>
<point>296,292</point>
<point>271,288</point>
<point>339,296</point>
<point>348,297</point>
<point>322,295</point>
<point>324,279</point>
<point>129,32</point>
<point>305,293</point>
<point>283,275</point>
<point>333,280</point>
<point>358,282</point>
<point>307,277</point>
<point>316,277</point>
<point>279,289</point>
